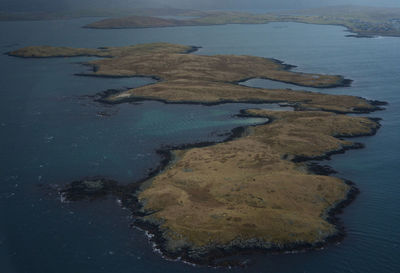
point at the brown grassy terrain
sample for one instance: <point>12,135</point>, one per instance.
<point>115,52</point>
<point>137,21</point>
<point>181,91</point>
<point>203,79</point>
<point>219,68</point>
<point>246,192</point>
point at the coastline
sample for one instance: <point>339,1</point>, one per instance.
<point>127,194</point>
<point>208,253</point>
<point>231,254</point>
<point>133,22</point>
<point>102,98</point>
<point>211,257</point>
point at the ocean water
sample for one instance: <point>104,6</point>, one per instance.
<point>52,133</point>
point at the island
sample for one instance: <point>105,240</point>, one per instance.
<point>257,190</point>
<point>95,11</point>
<point>189,78</point>
<point>362,21</point>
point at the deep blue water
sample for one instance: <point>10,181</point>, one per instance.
<point>52,134</point>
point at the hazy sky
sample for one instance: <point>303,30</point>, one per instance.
<point>45,5</point>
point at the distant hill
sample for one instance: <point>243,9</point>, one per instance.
<point>378,13</point>
<point>362,21</point>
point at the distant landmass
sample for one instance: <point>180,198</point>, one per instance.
<point>362,21</point>
<point>54,15</point>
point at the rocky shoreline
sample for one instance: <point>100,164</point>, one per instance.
<point>218,255</point>
<point>210,256</point>
<point>254,191</point>
<point>102,97</point>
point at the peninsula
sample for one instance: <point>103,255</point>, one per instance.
<point>255,190</point>
<point>189,78</point>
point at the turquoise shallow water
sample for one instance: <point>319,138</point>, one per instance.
<point>52,134</point>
